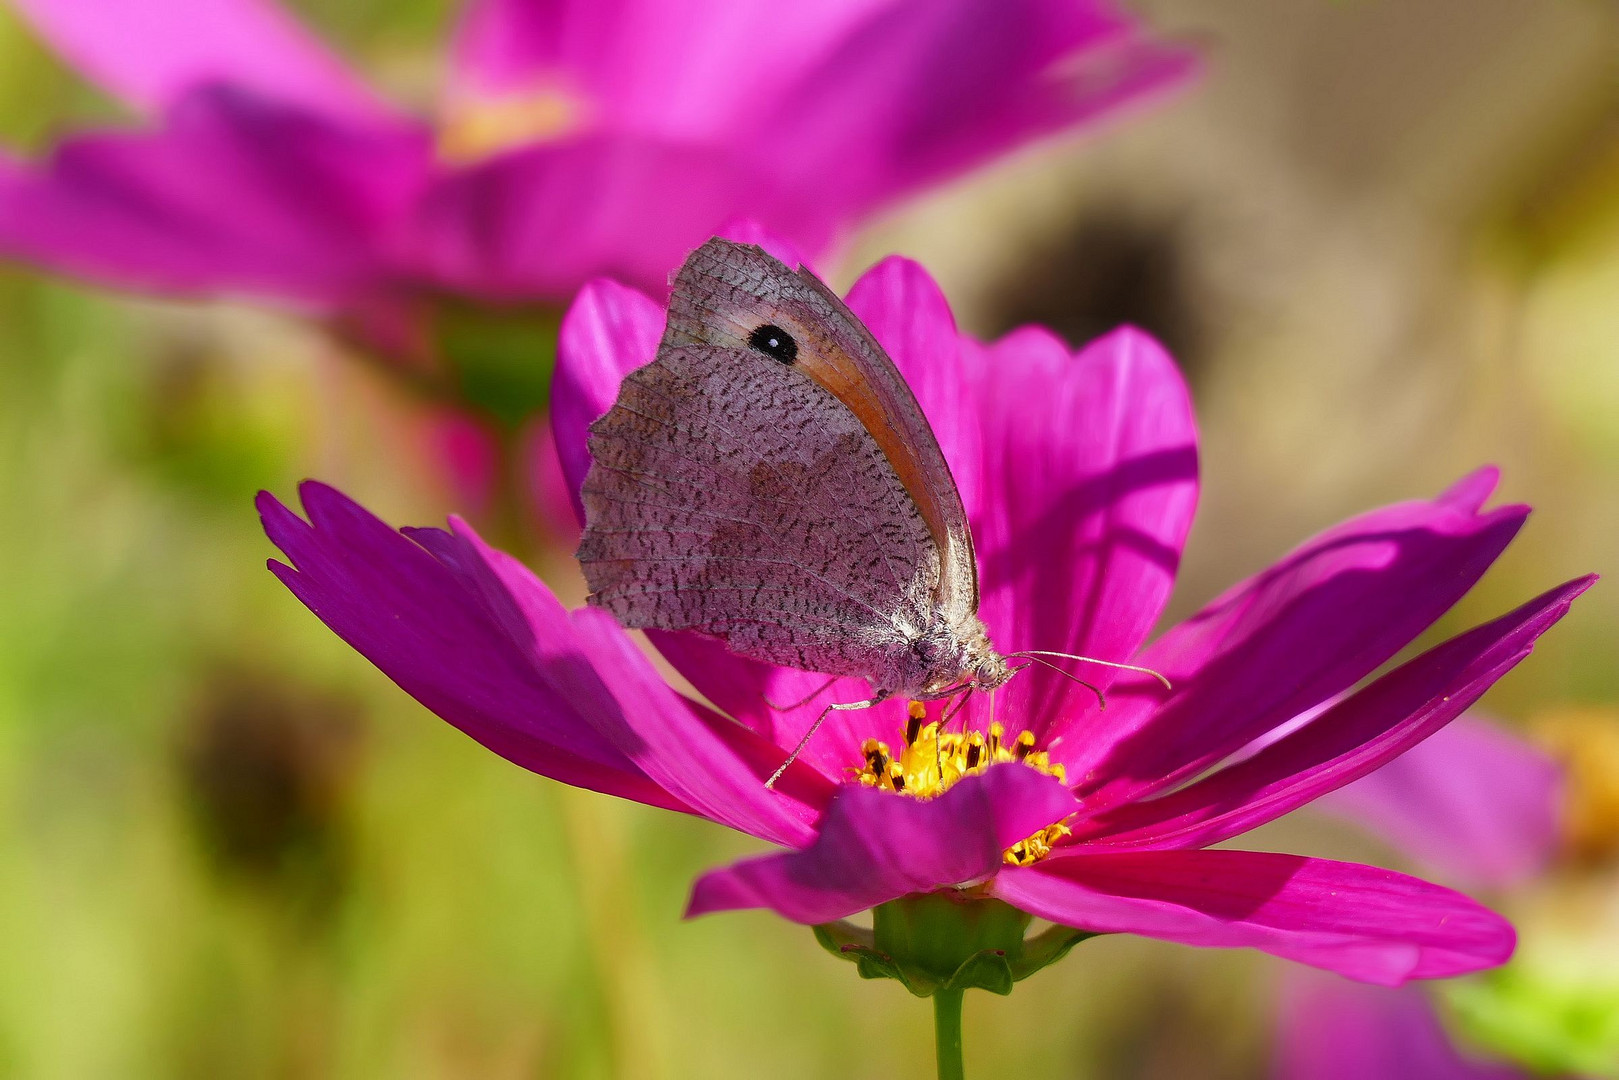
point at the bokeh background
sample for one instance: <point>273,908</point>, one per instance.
<point>1383,239</point>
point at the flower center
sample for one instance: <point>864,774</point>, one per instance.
<point>481,127</point>
<point>933,760</point>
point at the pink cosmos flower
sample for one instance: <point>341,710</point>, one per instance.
<point>571,138</point>
<point>1080,476</point>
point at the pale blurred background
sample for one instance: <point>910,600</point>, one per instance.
<point>1381,235</point>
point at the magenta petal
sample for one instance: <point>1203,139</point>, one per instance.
<point>746,688</point>
<point>814,113</point>
<point>1090,484</point>
<point>473,635</point>
<point>608,332</point>
<point>1116,76</point>
<point>913,91</point>
<point>691,68</point>
<point>1370,924</point>
<point>1330,1029</point>
<point>713,766</point>
<point>508,676</point>
<point>1471,492</point>
<point>665,735</point>
<point>1351,739</point>
<point>150,52</point>
<point>876,846</point>
<point>536,221</point>
<point>502,46</point>
<point>1474,803</point>
<point>745,230</point>
<point>233,195</point>
<point>1286,640</point>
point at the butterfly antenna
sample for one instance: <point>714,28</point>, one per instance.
<point>813,728</point>
<point>1032,654</point>
<point>1101,698</point>
<point>817,692</point>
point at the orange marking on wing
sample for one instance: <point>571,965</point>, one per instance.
<point>844,382</point>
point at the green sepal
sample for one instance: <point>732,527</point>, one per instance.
<point>1046,948</point>
<point>854,944</point>
<point>935,941</point>
<point>842,937</point>
<point>987,970</point>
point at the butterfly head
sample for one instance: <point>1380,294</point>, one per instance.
<point>986,668</point>
<point>956,658</point>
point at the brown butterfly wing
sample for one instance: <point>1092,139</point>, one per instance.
<point>726,291</point>
<point>732,495</point>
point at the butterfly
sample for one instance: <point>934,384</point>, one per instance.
<point>770,480</point>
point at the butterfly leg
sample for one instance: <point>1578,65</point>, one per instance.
<point>956,706</point>
<point>847,706</point>
<point>957,703</point>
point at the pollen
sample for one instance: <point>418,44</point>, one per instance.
<point>932,761</point>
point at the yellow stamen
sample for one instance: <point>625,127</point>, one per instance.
<point>933,761</point>
<point>1035,847</point>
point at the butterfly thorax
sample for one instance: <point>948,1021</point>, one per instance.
<point>947,657</point>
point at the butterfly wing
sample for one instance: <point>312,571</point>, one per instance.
<point>726,292</point>
<point>731,494</point>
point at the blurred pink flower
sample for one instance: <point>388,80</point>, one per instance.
<point>1080,475</point>
<point>470,455</point>
<point>570,139</point>
<point>1334,1030</point>
<point>1474,803</point>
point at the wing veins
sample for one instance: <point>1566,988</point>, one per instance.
<point>718,422</point>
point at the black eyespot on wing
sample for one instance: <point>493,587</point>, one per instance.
<point>775,342</point>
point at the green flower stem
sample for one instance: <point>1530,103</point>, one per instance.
<point>941,945</point>
<point>947,1033</point>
